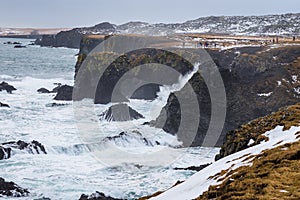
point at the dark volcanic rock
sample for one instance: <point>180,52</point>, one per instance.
<point>146,92</point>
<point>7,87</point>
<point>64,93</point>
<point>43,90</point>
<point>194,168</point>
<point>33,147</point>
<point>4,105</point>
<point>55,105</point>
<point>120,112</point>
<point>140,83</point>
<point>19,46</point>
<point>128,137</point>
<point>55,90</point>
<point>10,189</point>
<point>246,76</point>
<point>97,196</point>
<point>5,153</point>
<point>72,38</point>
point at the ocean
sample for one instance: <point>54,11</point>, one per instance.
<point>129,165</point>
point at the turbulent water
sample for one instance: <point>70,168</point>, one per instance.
<point>73,164</point>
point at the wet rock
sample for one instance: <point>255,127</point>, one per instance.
<point>97,196</point>
<point>43,91</point>
<point>5,153</point>
<point>245,75</point>
<point>129,137</point>
<point>34,147</point>
<point>55,105</point>
<point>19,46</point>
<point>194,168</point>
<point>146,92</point>
<point>120,112</point>
<point>4,105</point>
<point>55,90</point>
<point>7,87</point>
<point>64,93</point>
<point>10,189</point>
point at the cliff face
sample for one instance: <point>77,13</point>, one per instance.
<point>106,80</point>
<point>72,38</point>
<point>258,81</point>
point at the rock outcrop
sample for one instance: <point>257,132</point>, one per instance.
<point>97,196</point>
<point>7,87</point>
<point>33,147</point>
<point>130,138</point>
<point>120,112</point>
<point>257,81</point>
<point>132,65</point>
<point>4,105</point>
<point>194,168</point>
<point>5,153</point>
<point>72,38</point>
<point>43,91</point>
<point>64,93</point>
<point>10,189</point>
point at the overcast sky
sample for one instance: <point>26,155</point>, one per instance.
<point>76,13</point>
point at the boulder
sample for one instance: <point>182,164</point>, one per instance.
<point>64,93</point>
<point>4,105</point>
<point>5,153</point>
<point>43,91</point>
<point>7,87</point>
<point>120,112</point>
<point>97,196</point>
<point>10,189</point>
<point>55,105</point>
<point>33,147</point>
<point>19,46</point>
<point>193,168</point>
<point>55,90</point>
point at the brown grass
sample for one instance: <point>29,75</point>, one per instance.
<point>275,174</point>
<point>238,139</point>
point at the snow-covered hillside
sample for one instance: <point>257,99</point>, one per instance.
<point>212,175</point>
<point>287,24</point>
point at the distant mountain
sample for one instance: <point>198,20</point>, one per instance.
<point>286,24</point>
<point>29,31</point>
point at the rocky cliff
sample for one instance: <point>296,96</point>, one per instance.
<point>258,81</point>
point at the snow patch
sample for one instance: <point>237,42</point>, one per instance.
<point>200,182</point>
<point>251,142</point>
<point>265,94</point>
<point>279,83</point>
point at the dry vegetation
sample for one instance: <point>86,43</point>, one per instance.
<point>275,174</point>
<point>238,139</point>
